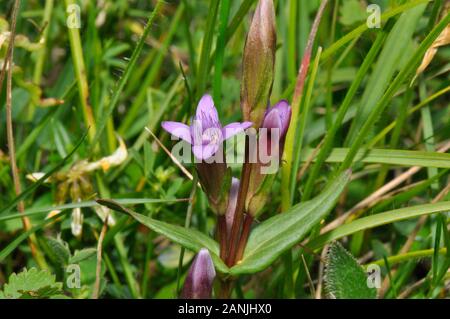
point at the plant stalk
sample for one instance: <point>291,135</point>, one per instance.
<point>240,205</point>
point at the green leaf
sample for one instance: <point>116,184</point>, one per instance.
<point>31,283</point>
<point>277,234</point>
<point>187,237</point>
<point>344,277</point>
<point>81,255</point>
<point>58,250</point>
<point>378,220</point>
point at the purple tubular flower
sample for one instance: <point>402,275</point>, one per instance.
<point>206,133</point>
<point>277,117</point>
<point>199,281</point>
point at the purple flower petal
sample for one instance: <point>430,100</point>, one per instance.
<point>203,152</point>
<point>178,129</point>
<point>235,128</point>
<point>199,281</point>
<point>285,114</point>
<point>206,113</point>
<point>197,132</point>
<point>272,119</point>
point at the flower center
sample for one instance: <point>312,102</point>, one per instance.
<point>211,136</point>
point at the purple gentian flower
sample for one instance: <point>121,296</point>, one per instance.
<point>278,117</point>
<point>205,134</point>
<point>199,281</point>
<point>275,118</point>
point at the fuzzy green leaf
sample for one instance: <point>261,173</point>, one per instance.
<point>279,233</point>
<point>81,255</point>
<point>31,283</point>
<point>59,251</point>
<point>344,277</point>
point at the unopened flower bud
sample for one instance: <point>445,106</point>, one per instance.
<point>258,63</point>
<point>278,117</point>
<point>199,281</point>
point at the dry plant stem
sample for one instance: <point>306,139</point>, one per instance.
<point>98,269</point>
<point>409,242</point>
<point>318,294</point>
<point>10,137</point>
<point>308,276</point>
<point>172,157</point>
<point>411,288</point>
<point>240,205</point>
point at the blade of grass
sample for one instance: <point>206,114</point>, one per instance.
<point>151,75</point>
<point>220,51</point>
<point>304,115</point>
<point>407,70</point>
<point>292,35</point>
<point>400,258</point>
<point>411,111</point>
<point>330,135</point>
<point>124,201</point>
<point>364,27</point>
<point>395,138</point>
<point>19,239</point>
<point>387,156</point>
<point>81,75</point>
<point>399,38</point>
<point>290,146</point>
<point>205,54</point>
<point>41,54</point>
<point>378,220</point>
<point>128,71</point>
<point>33,187</point>
<point>428,131</point>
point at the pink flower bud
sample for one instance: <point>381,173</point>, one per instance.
<point>199,281</point>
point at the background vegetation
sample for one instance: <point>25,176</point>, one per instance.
<point>78,93</point>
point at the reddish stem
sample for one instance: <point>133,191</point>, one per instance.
<point>248,221</point>
<point>239,213</point>
<point>223,240</point>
